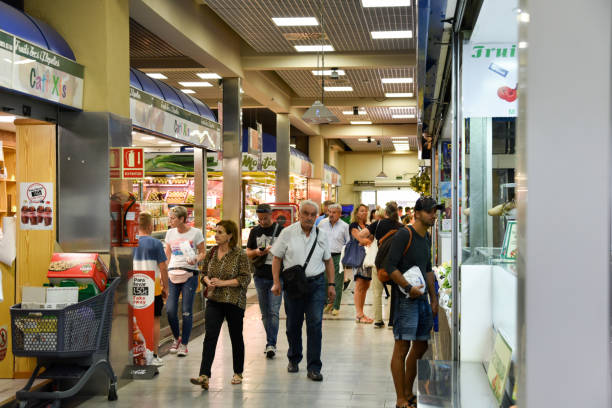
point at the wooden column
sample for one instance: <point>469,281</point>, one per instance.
<point>36,157</point>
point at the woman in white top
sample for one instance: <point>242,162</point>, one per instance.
<point>185,247</point>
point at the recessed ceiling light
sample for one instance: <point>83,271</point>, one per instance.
<point>195,84</point>
<point>338,89</point>
<point>381,35</point>
<point>164,142</point>
<point>314,48</point>
<point>523,17</point>
<point>403,116</point>
<point>7,119</point>
<point>188,91</point>
<point>399,107</point>
<point>365,140</point>
<point>397,80</point>
<point>399,94</point>
<point>147,138</point>
<point>208,75</point>
<point>386,3</point>
<point>295,21</point>
<point>328,72</point>
<point>157,75</point>
<point>361,122</point>
<point>351,113</point>
<point>401,148</point>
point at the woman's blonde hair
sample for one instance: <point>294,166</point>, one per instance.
<point>356,210</point>
<point>180,212</point>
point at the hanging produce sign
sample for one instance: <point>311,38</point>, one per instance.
<point>331,175</point>
<point>490,80</point>
<point>300,164</point>
<point>150,112</point>
<point>36,71</point>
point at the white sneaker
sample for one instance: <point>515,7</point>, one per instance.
<point>270,351</point>
<point>157,362</point>
<point>182,350</point>
<point>175,346</point>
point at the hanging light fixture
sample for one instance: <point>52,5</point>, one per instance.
<point>382,174</point>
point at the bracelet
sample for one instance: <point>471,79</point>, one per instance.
<point>331,284</point>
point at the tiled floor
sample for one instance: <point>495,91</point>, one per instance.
<point>355,366</point>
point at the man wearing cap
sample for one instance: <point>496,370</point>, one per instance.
<point>413,313</point>
<point>259,244</point>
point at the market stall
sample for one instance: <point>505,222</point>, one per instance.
<point>331,182</point>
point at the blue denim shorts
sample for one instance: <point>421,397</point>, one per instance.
<point>413,319</point>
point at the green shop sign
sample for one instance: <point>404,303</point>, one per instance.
<point>28,68</point>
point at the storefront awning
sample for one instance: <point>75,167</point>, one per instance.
<point>331,175</point>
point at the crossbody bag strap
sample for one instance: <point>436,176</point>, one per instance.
<point>312,249</point>
<point>409,241</point>
<point>274,233</point>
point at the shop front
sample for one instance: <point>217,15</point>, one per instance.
<point>331,182</point>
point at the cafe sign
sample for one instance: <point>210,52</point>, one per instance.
<point>30,69</point>
<point>150,112</point>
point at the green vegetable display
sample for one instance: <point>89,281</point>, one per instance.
<point>172,162</point>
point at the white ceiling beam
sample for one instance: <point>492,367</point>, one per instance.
<point>372,102</point>
<point>279,62</point>
<point>373,131</point>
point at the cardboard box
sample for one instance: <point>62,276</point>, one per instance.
<point>82,268</point>
<point>66,296</point>
<point>33,297</point>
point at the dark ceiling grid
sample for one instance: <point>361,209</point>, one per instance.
<point>145,44</point>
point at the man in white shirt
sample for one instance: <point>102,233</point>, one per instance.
<point>291,248</point>
<point>338,234</point>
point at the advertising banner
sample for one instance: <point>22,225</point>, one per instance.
<point>36,211</point>
<point>150,112</point>
<point>300,166</point>
<point>36,71</point>
<point>141,295</point>
<point>331,175</point>
<point>489,80</point>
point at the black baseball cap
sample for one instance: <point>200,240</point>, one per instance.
<point>264,209</point>
<point>427,204</point>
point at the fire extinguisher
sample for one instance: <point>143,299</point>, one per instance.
<point>115,222</point>
<point>131,211</point>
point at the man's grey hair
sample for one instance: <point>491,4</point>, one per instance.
<point>335,206</point>
<point>311,203</point>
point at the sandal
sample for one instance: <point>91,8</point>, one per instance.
<point>201,381</point>
<point>237,379</point>
<point>364,319</point>
<point>412,402</point>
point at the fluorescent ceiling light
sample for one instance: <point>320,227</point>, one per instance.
<point>397,80</point>
<point>338,89</point>
<point>365,140</point>
<point>295,21</point>
<point>399,94</point>
<point>361,122</point>
<point>328,72</point>
<point>381,35</point>
<point>188,91</point>
<point>147,138</point>
<point>314,48</point>
<point>195,84</point>
<point>522,44</point>
<point>399,107</point>
<point>350,113</point>
<point>401,148</point>
<point>523,17</point>
<point>403,116</point>
<point>7,119</point>
<point>400,138</point>
<point>209,75</point>
<point>385,3</point>
<point>164,142</point>
<point>157,75</point>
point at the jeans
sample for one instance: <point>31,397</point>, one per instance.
<point>215,313</point>
<point>312,306</point>
<point>187,289</point>
<point>269,304</point>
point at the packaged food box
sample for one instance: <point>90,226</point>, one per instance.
<point>81,267</point>
<point>33,297</point>
<point>59,297</point>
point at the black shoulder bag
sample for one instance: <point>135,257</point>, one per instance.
<point>294,278</point>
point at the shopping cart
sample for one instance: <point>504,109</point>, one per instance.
<point>69,343</point>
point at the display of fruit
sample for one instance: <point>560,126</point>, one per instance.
<point>190,199</point>
<point>155,196</point>
<point>176,197</point>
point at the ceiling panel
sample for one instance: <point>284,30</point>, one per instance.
<point>144,44</point>
<point>346,23</point>
<point>377,115</point>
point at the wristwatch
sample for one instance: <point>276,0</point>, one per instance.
<point>407,288</point>
<point>331,284</point>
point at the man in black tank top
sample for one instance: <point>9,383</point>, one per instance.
<point>413,317</point>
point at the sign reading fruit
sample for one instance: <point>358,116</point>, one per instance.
<point>490,80</point>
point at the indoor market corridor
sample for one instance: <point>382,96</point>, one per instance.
<point>355,369</point>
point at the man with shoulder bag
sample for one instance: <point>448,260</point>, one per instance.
<point>258,248</point>
<point>308,284</point>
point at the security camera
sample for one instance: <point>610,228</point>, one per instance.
<point>369,139</point>
<point>355,110</point>
<point>334,74</point>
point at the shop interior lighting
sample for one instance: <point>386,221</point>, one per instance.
<point>399,107</point>
<point>365,139</point>
<point>338,89</point>
<point>156,75</point>
<point>399,138</point>
<point>7,119</point>
<point>314,48</point>
<point>397,80</point>
<point>328,72</point>
<point>295,21</point>
<point>292,145</point>
<point>401,147</point>
<point>208,75</point>
<point>351,113</point>
<point>200,84</point>
<point>385,3</point>
<point>523,17</point>
<point>188,91</point>
<point>522,44</point>
<point>382,35</point>
<point>361,122</point>
<point>403,116</point>
<point>399,94</point>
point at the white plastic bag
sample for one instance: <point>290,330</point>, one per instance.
<point>8,251</point>
<point>414,277</point>
<point>370,257</point>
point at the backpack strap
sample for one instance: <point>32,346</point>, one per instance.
<point>387,235</point>
<point>409,241</point>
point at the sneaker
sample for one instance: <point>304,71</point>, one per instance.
<point>182,350</point>
<point>157,362</point>
<point>270,351</point>
<point>175,346</point>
